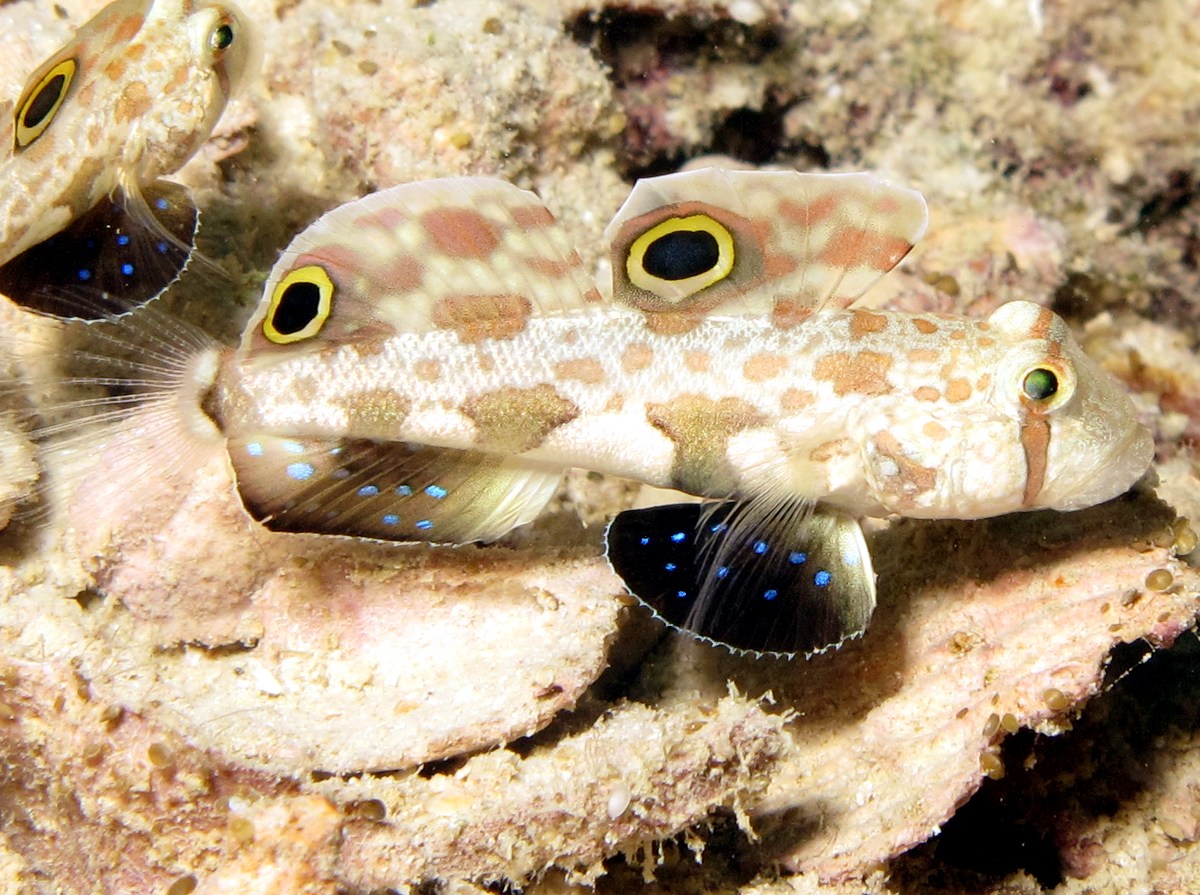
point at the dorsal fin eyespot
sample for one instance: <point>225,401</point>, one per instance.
<point>809,240</point>
<point>299,305</point>
<point>42,99</point>
<point>674,253</point>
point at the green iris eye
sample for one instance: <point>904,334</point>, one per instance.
<point>1040,384</point>
<point>222,37</point>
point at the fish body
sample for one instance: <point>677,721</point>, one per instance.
<point>129,99</point>
<point>918,415</point>
<point>425,362</point>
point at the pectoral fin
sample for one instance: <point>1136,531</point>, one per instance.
<point>783,579</point>
<point>119,255</point>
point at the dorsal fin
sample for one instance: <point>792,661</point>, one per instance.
<point>781,579</point>
<point>390,491</point>
<point>472,254</point>
<point>121,253</point>
<point>715,240</point>
<point>7,130</point>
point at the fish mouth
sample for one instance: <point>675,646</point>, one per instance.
<point>1125,463</point>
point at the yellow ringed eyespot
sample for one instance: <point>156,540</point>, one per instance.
<point>1040,384</point>
<point>680,256</point>
<point>221,37</point>
<point>300,305</point>
<point>41,101</point>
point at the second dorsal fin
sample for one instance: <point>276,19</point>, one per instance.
<point>715,240</point>
<point>390,491</point>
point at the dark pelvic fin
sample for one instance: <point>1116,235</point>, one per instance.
<point>391,491</point>
<point>119,255</point>
<point>786,579</point>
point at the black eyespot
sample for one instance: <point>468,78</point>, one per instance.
<point>222,37</point>
<point>679,257</point>
<point>681,254</point>
<point>298,305</point>
<point>1040,384</point>
<point>42,100</point>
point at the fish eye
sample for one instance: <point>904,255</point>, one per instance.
<point>221,37</point>
<point>680,256</point>
<point>1040,384</point>
<point>42,100</point>
<point>300,305</point>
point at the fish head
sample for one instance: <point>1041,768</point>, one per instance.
<point>1017,417</point>
<point>205,51</point>
<point>1079,432</point>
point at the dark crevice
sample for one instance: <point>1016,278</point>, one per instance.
<point>1166,205</point>
<point>88,599</point>
<point>730,861</point>
<point>637,44</point>
<point>754,136</point>
<point>644,50</point>
<point>212,651</point>
<point>751,135</point>
<point>1043,816</point>
<point>990,840</point>
<point>1084,295</point>
<point>443,767</point>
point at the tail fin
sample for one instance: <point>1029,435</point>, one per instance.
<point>113,410</point>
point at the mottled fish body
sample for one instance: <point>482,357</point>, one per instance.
<point>426,361</point>
<point>88,227</point>
<point>920,415</point>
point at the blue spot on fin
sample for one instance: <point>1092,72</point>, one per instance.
<point>385,490</point>
<point>119,255</point>
<point>742,596</point>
